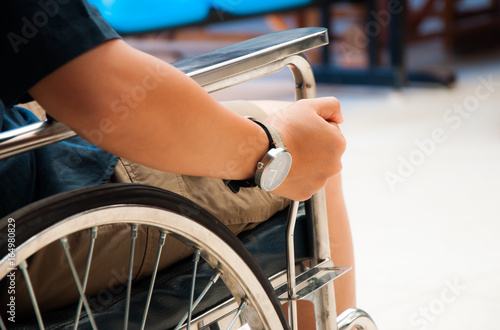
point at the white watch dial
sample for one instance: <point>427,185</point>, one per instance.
<point>276,169</point>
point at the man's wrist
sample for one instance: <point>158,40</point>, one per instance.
<point>272,168</point>
<point>252,150</point>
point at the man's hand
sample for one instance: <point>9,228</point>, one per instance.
<point>311,134</point>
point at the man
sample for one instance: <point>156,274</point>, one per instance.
<point>66,57</point>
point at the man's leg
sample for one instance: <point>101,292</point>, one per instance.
<point>340,244</point>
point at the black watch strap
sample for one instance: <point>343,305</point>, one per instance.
<point>235,185</point>
<point>272,144</point>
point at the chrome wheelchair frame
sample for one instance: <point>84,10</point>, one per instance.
<point>216,70</point>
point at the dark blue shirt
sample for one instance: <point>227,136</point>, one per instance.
<point>36,38</point>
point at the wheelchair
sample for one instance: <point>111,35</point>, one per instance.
<point>228,281</point>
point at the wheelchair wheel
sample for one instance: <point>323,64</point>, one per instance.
<point>66,221</point>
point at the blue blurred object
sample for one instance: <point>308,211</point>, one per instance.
<point>252,7</point>
<point>135,16</point>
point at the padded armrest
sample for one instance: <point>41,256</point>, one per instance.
<point>241,59</point>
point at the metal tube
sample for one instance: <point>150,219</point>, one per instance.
<point>161,243</point>
<point>130,272</point>
<point>65,245</point>
<point>24,268</point>
<point>324,299</point>
<point>305,84</point>
<point>215,277</point>
<point>298,65</point>
<point>240,309</point>
<point>32,136</point>
<point>196,259</point>
<point>86,275</point>
<point>290,264</point>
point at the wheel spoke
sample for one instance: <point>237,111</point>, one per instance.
<point>161,243</point>
<point>212,281</point>
<point>65,245</point>
<point>93,237</point>
<point>130,271</point>
<point>196,259</point>
<point>24,268</point>
<point>238,312</point>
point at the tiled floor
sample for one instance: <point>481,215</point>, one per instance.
<point>422,185</point>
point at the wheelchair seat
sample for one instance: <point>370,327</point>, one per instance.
<point>132,16</point>
<point>254,7</point>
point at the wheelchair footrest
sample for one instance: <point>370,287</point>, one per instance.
<point>307,283</point>
<point>311,280</point>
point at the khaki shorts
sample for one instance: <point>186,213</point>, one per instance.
<point>51,276</point>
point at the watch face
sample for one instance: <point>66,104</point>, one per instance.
<point>276,169</point>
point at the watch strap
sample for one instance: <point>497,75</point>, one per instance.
<point>275,141</point>
<point>235,185</point>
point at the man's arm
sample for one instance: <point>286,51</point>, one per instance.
<point>143,109</point>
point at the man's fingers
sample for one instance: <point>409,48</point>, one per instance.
<point>329,109</point>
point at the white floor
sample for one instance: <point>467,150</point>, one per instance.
<point>425,218</point>
<point>422,186</point>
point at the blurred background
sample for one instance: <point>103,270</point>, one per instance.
<point>419,84</point>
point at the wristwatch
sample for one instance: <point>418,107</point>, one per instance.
<point>272,169</point>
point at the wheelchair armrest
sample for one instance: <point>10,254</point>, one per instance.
<point>234,64</point>
<point>213,70</point>
<point>29,137</point>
